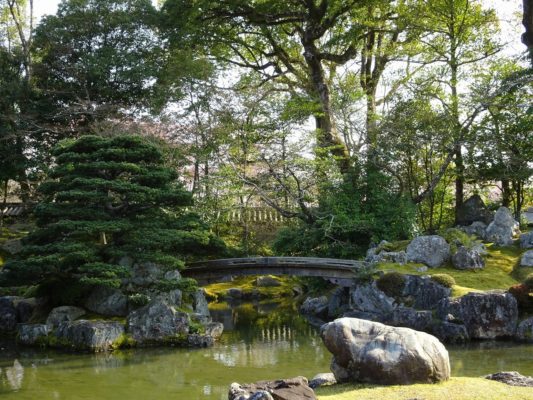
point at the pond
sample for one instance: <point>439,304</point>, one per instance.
<point>262,341</point>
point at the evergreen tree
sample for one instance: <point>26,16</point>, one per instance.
<point>108,198</point>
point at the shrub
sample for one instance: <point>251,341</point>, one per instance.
<point>138,299</point>
<point>391,284</point>
<point>456,236</point>
<point>444,279</point>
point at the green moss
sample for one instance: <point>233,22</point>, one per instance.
<point>444,280</point>
<point>124,341</point>
<point>247,284</point>
<point>391,283</point>
<point>399,245</point>
<point>454,389</point>
<point>501,271</point>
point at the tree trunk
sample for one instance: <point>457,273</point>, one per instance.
<point>506,193</point>
<point>4,203</point>
<point>527,37</point>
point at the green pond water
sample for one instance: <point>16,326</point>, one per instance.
<point>261,342</point>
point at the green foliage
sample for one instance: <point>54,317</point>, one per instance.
<point>456,237</point>
<point>391,284</point>
<point>109,198</point>
<point>444,279</point>
<point>351,215</point>
<point>186,285</point>
<point>138,300</point>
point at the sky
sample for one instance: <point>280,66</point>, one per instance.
<point>511,27</point>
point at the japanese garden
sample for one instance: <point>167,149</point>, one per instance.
<point>266,200</point>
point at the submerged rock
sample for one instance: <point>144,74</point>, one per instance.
<point>432,250</point>
<point>89,335</point>
<point>283,389</point>
<point>63,314</point>
<point>371,352</point>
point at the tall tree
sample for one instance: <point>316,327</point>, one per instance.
<point>527,21</point>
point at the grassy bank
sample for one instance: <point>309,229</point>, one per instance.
<point>501,271</point>
<point>249,288</point>
<point>454,389</point>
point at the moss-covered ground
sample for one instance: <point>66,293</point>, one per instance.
<point>454,389</point>
<point>249,288</point>
<point>501,271</point>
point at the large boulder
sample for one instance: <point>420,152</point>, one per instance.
<point>526,240</point>
<point>283,389</point>
<point>472,210</point>
<point>31,334</point>
<point>432,250</point>
<point>8,314</point>
<point>107,301</point>
<point>425,292</point>
<point>89,335</point>
<point>338,302</point>
<point>503,228</point>
<point>487,315</point>
<point>365,351</point>
<point>27,307</point>
<point>524,332</point>
<point>466,258</point>
<point>527,259</point>
<point>449,332</point>
<point>157,322</point>
<point>63,314</point>
<point>315,306</point>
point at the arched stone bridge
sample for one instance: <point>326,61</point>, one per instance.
<point>340,272</point>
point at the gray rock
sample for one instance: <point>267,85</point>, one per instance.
<point>449,332</point>
<point>526,240</point>
<point>199,304</point>
<point>432,250</point>
<point>369,299</point>
<point>472,210</point>
<point>283,389</point>
<point>527,259</point>
<point>234,293</point>
<point>338,302</point>
<point>410,318</point>
<point>197,340</point>
<point>63,314</point>
<point>31,334</point>
<point>143,274</point>
<point>477,228</point>
<point>89,335</point>
<point>12,247</point>
<point>157,322</point>
<point>480,248</point>
<point>524,332</point>
<point>503,228</point>
<point>467,259</point>
<point>174,297</point>
<point>398,257</point>
<point>512,378</point>
<point>107,301</point>
<point>214,329</point>
<point>487,315</point>
<point>173,275</point>
<point>267,281</point>
<point>371,352</point>
<point>26,308</point>
<point>8,314</point>
<point>323,379</point>
<point>426,292</point>
<point>317,306</point>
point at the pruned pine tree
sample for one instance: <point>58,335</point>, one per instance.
<point>108,198</point>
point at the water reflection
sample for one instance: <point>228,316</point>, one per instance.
<point>262,341</point>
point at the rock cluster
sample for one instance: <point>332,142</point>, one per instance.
<point>512,378</point>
